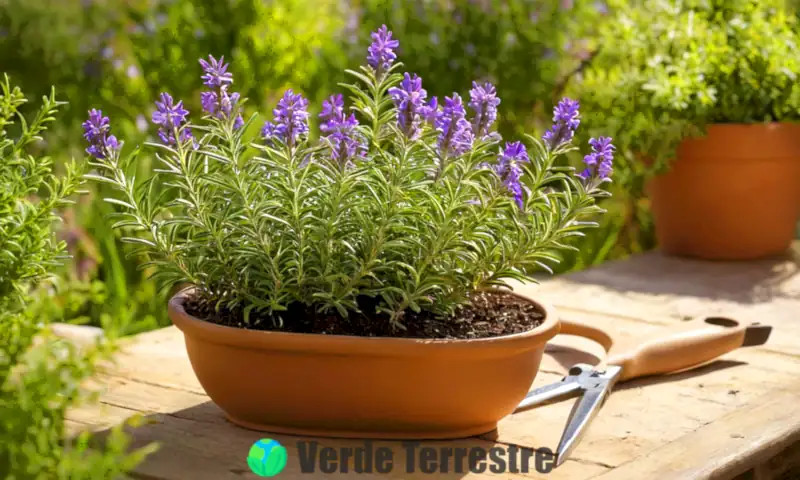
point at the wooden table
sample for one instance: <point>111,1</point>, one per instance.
<point>736,418</point>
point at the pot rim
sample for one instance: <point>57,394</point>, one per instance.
<point>196,328</point>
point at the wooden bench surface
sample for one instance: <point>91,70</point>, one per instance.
<point>737,416</point>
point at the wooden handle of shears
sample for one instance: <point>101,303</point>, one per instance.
<point>674,349</point>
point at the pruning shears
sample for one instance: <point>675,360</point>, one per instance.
<point>683,347</point>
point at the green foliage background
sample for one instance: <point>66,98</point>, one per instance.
<point>118,55</point>
<point>41,376</point>
<point>640,75</point>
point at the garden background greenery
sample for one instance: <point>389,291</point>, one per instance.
<point>118,55</point>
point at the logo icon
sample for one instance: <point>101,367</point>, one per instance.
<point>267,457</point>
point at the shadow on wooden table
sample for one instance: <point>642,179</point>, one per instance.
<point>199,443</point>
<point>683,375</point>
<point>643,383</point>
<point>566,356</point>
<point>656,273</point>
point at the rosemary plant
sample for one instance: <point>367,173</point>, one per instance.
<point>406,201</point>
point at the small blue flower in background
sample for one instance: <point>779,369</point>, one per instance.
<point>291,119</point>
<point>141,123</point>
<point>133,71</point>
<point>96,131</point>
<point>566,119</point>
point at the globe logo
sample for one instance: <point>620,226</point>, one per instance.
<point>267,458</point>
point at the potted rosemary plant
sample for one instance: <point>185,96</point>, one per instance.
<point>703,101</point>
<point>354,285</point>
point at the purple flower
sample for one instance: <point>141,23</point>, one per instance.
<point>430,110</point>
<point>218,102</point>
<point>291,119</point>
<point>342,136</point>
<point>332,113</point>
<point>409,100</point>
<point>455,136</point>
<point>380,54</point>
<point>566,119</point>
<point>599,163</point>
<point>96,131</point>
<point>209,102</point>
<point>216,72</point>
<point>170,116</point>
<point>483,99</point>
<point>509,169</point>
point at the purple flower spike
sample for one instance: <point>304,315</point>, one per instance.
<point>380,54</point>
<point>483,99</point>
<point>96,132</point>
<point>509,169</point>
<point>291,119</point>
<point>566,119</point>
<point>332,113</point>
<point>346,145</point>
<point>430,110</point>
<point>455,136</point>
<point>170,116</point>
<point>599,163</point>
<point>409,100</point>
<point>218,102</point>
<point>209,102</point>
<point>216,72</point>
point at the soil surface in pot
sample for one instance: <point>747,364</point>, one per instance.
<point>490,314</point>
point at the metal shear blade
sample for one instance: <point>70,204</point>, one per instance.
<point>594,387</point>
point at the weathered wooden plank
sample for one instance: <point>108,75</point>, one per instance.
<point>656,288</point>
<point>725,448</point>
<point>77,334</point>
<point>643,416</point>
<point>785,465</point>
<point>193,432</point>
<point>219,451</point>
<point>628,329</point>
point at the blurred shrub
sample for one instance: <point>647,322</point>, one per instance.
<point>664,69</point>
<point>41,376</point>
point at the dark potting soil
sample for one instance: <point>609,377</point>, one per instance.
<point>489,314</point>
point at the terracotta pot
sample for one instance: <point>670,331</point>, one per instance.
<point>340,386</point>
<point>731,195</point>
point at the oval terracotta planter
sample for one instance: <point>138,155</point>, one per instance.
<point>340,386</point>
<point>731,195</point>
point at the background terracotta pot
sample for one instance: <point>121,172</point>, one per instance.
<point>339,386</point>
<point>732,195</point>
